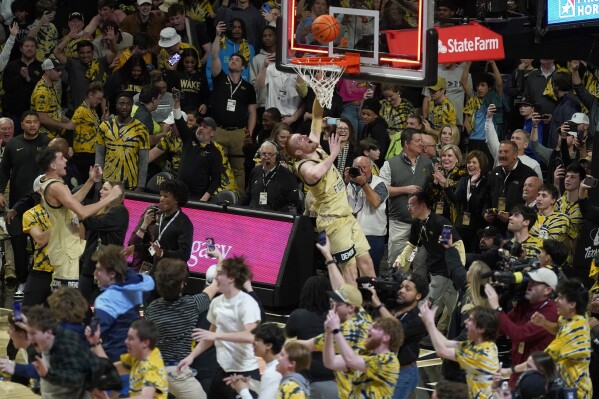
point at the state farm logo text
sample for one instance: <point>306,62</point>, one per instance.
<point>466,45</point>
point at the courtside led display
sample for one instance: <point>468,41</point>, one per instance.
<point>261,241</point>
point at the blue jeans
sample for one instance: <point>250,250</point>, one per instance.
<point>407,382</point>
<point>377,247</point>
<point>352,112</point>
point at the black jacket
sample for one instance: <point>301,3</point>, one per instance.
<point>201,166</point>
<point>510,187</point>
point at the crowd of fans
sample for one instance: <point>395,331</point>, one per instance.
<point>476,189</point>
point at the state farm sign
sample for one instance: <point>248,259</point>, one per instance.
<point>471,42</point>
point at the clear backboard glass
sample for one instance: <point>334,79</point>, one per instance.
<point>395,39</point>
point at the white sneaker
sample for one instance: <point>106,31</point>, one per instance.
<point>21,289</point>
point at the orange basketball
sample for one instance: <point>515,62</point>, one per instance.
<point>325,28</point>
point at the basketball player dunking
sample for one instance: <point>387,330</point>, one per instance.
<point>316,169</point>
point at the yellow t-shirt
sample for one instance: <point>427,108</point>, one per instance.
<point>441,114</point>
<point>291,390</point>
<point>37,216</point>
<point>199,10</point>
<point>571,351</point>
<point>45,99</point>
<point>396,117</point>
<point>147,373</point>
<point>47,39</point>
<point>87,124</point>
<point>552,227</point>
<point>379,379</point>
<point>572,211</point>
<point>480,363</point>
<point>355,332</point>
<point>122,147</point>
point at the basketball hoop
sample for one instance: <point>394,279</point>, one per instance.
<point>322,73</point>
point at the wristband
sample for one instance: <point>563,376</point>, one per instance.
<point>330,262</point>
<point>96,344</point>
<point>382,305</point>
<point>499,309</point>
<point>336,331</point>
<point>142,230</point>
<point>513,368</point>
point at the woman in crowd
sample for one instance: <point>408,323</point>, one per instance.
<point>375,126</point>
<point>446,178</point>
<point>394,109</point>
<point>469,196</point>
<point>449,135</point>
<point>279,135</point>
<point>345,132</point>
<point>306,322</point>
<point>190,81</point>
<point>106,227</point>
<point>130,79</point>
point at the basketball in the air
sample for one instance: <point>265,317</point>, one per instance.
<point>325,28</point>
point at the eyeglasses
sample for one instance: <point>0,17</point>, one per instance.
<point>267,154</point>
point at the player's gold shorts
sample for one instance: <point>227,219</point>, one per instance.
<point>346,237</point>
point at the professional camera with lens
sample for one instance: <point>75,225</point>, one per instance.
<point>354,172</point>
<point>386,288</point>
<point>512,275</point>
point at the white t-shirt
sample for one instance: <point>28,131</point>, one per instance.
<point>231,315</point>
<point>268,386</point>
<point>281,91</point>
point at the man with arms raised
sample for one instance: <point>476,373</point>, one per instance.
<point>315,168</point>
<point>65,210</point>
<point>376,373</point>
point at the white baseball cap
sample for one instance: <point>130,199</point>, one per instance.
<point>545,276</point>
<point>579,118</point>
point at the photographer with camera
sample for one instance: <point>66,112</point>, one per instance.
<point>426,228</point>
<point>526,336</point>
<point>414,287</point>
<point>521,220</point>
<point>571,348</point>
<point>367,196</point>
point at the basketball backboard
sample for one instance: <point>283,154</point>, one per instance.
<point>378,35</point>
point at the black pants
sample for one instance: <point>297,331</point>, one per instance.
<point>38,288</point>
<point>19,246</point>
<point>220,390</point>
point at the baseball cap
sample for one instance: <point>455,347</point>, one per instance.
<point>50,63</point>
<point>140,2</point>
<point>168,37</point>
<point>441,84</point>
<point>579,118</point>
<point>209,122</point>
<point>489,231</point>
<point>37,183</point>
<point>170,119</point>
<point>347,294</point>
<point>77,15</point>
<point>523,101</point>
<point>545,276</point>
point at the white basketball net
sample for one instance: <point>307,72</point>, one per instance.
<point>322,79</point>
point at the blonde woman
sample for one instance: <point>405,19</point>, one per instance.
<point>449,134</point>
<point>446,176</point>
